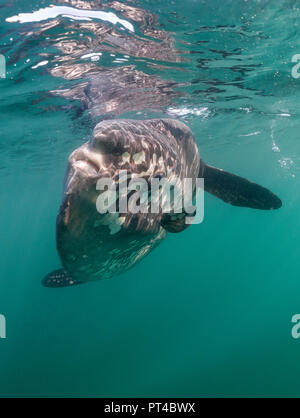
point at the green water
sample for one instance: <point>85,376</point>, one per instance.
<point>207,314</point>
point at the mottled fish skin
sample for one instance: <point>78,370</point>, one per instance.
<point>94,246</point>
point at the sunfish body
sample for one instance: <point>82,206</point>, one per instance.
<point>94,246</point>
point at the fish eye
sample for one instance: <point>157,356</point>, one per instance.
<point>158,176</point>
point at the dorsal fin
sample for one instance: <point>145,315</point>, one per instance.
<point>236,190</point>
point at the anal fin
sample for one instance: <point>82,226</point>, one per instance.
<point>59,278</point>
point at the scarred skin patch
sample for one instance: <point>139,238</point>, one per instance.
<point>126,157</point>
<point>139,158</point>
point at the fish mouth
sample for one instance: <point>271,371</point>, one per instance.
<point>86,167</point>
<point>87,161</point>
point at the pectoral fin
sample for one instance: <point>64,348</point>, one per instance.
<point>175,223</point>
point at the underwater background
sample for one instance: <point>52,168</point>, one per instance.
<point>208,313</point>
